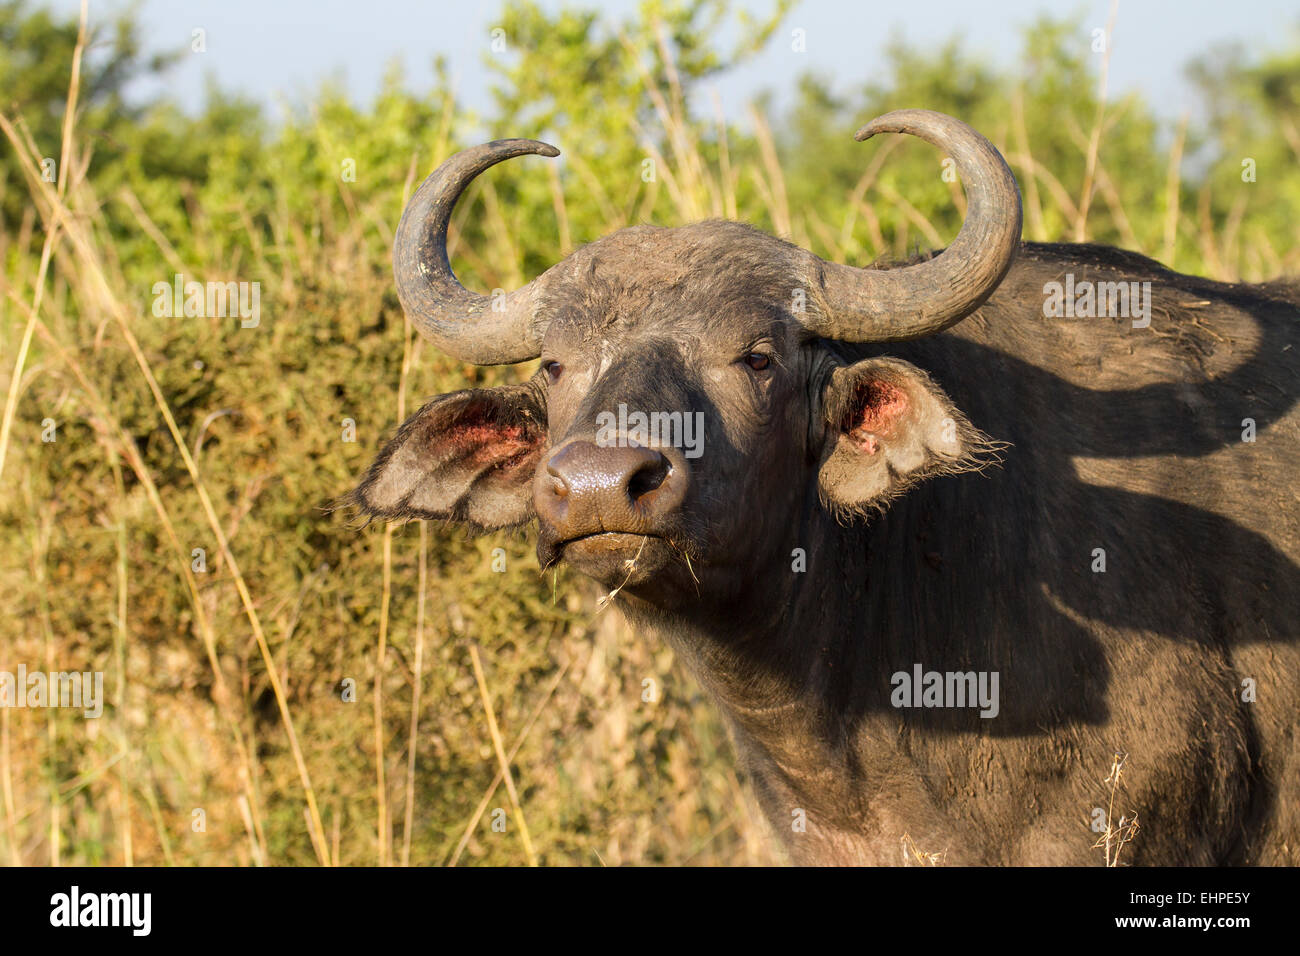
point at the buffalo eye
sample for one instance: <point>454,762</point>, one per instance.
<point>758,361</point>
<point>553,370</point>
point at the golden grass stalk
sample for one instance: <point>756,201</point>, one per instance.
<point>40,548</point>
<point>1173,184</point>
<point>1033,201</point>
<point>410,350</point>
<point>381,789</point>
<point>7,784</point>
<point>51,234</point>
<point>500,775</point>
<point>119,655</point>
<point>774,181</point>
<point>413,738</point>
<point>726,177</point>
<point>1094,141</point>
<point>502,761</point>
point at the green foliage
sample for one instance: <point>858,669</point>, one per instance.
<point>1254,131</point>
<point>36,53</point>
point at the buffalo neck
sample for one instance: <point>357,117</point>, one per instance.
<point>788,656</point>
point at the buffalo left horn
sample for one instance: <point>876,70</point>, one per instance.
<point>468,325</point>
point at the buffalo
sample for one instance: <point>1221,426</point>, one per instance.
<point>973,552</point>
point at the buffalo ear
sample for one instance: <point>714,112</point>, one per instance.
<point>889,426</point>
<point>468,457</point>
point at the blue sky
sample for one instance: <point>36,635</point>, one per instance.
<point>279,50</point>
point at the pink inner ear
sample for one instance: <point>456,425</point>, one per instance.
<point>508,446</point>
<point>877,408</point>
<point>478,440</point>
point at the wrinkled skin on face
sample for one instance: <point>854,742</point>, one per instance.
<point>705,327</point>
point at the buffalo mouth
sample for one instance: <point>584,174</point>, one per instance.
<point>614,558</point>
<point>608,540</point>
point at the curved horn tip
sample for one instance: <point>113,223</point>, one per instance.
<point>523,146</point>
<point>897,121</point>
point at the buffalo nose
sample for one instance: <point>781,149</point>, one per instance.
<point>585,488</point>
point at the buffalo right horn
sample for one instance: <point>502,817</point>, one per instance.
<point>470,326</point>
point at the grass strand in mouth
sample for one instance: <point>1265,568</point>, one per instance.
<point>630,564</point>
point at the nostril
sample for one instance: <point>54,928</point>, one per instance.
<point>648,477</point>
<point>558,485</point>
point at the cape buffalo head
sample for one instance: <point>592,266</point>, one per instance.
<point>692,403</point>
